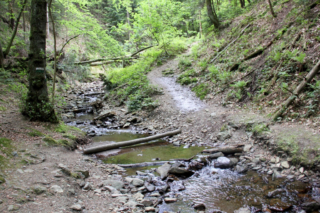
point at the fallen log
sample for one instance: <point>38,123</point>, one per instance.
<point>297,91</point>
<point>129,143</point>
<point>225,150</point>
<point>145,164</point>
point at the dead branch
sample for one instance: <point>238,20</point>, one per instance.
<point>297,91</point>
<point>241,33</point>
<point>67,43</point>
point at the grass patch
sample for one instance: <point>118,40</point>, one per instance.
<point>6,149</point>
<point>35,133</point>
<point>201,90</point>
<point>52,142</point>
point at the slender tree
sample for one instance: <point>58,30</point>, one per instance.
<point>212,14</point>
<point>271,9</point>
<point>38,106</point>
<point>1,57</point>
<point>6,52</point>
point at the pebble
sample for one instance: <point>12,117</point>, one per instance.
<point>170,200</point>
<point>76,207</point>
<point>56,189</point>
<point>149,209</point>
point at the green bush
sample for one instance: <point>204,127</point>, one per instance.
<point>201,90</point>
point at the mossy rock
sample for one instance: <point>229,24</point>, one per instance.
<point>2,180</point>
<point>50,141</point>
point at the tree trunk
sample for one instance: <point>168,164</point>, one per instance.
<point>200,25</point>
<point>38,106</point>
<point>212,14</point>
<point>11,23</point>
<point>6,52</point>
<point>271,9</point>
<point>1,57</point>
<point>48,19</point>
<point>54,53</point>
<point>128,143</point>
<point>242,3</point>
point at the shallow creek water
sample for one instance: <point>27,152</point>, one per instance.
<point>220,189</point>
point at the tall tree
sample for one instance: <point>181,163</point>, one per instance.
<point>38,106</point>
<point>212,14</point>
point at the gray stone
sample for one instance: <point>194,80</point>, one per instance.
<point>163,170</point>
<point>13,208</point>
<point>311,206</point>
<point>247,148</point>
<point>285,164</point>
<point>76,207</point>
<point>150,187</point>
<point>222,136</point>
<point>137,182</point>
<point>147,202</point>
<point>215,155</point>
<point>114,183</point>
<point>222,162</point>
<point>179,171</point>
<point>233,161</point>
<point>131,203</point>
<point>149,209</point>
<point>243,210</point>
<point>56,189</point>
<point>241,168</point>
<point>87,186</point>
<point>39,190</point>
<point>138,196</point>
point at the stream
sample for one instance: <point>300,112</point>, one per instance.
<point>219,190</point>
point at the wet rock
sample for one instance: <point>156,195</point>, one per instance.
<point>223,163</point>
<point>241,168</point>
<point>275,192</point>
<point>76,207</point>
<point>215,155</point>
<point>278,205</point>
<point>155,194</point>
<point>179,171</point>
<point>243,210</point>
<point>163,170</point>
<point>276,175</point>
<point>56,189</point>
<point>311,206</point>
<point>199,207</point>
<point>105,114</point>
<point>233,161</point>
<point>195,165</point>
<point>177,186</point>
<point>141,173</point>
<point>64,169</point>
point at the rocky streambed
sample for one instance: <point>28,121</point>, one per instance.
<point>221,179</point>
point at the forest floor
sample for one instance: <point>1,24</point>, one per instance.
<point>40,178</point>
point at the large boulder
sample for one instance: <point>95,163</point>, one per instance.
<point>105,114</point>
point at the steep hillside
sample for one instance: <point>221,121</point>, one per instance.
<point>260,59</point>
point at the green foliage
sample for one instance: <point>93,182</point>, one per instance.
<point>259,129</point>
<point>187,77</point>
<point>201,90</point>
<point>224,76</point>
<point>214,72</point>
<point>184,62</point>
